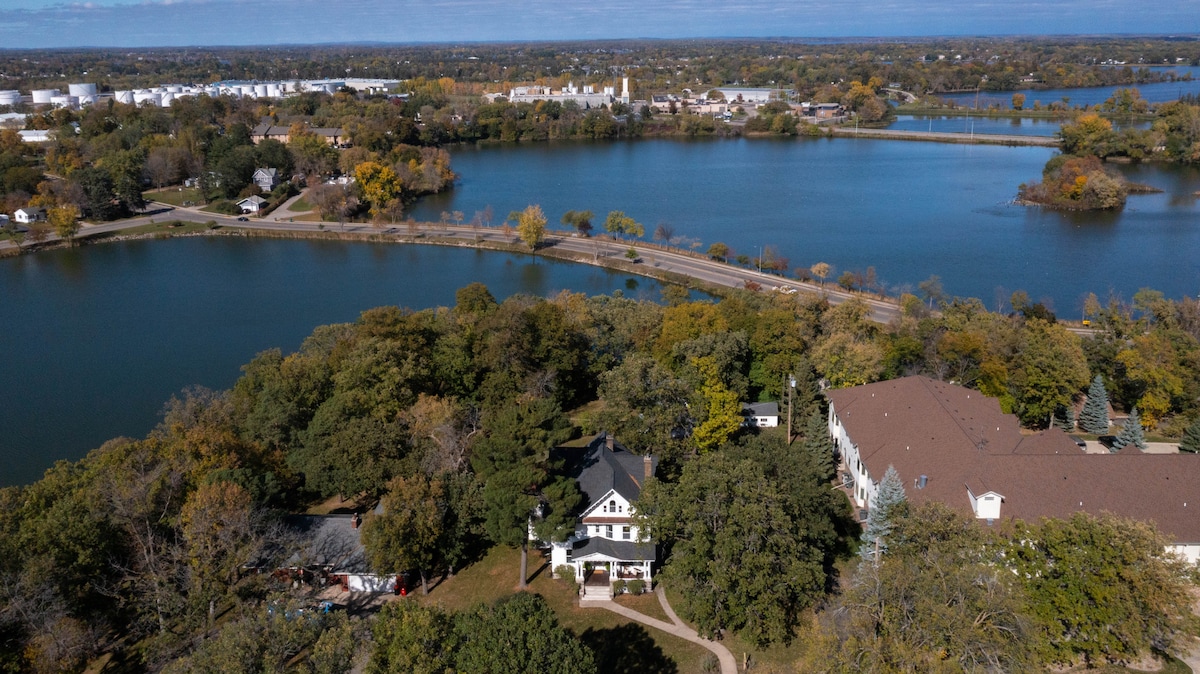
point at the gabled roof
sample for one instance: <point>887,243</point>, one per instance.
<point>330,541</point>
<point>269,172</point>
<point>961,440</point>
<point>600,470</point>
<point>627,551</point>
<point>253,199</point>
<point>770,409</point>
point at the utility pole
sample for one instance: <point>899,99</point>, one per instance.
<point>791,389</point>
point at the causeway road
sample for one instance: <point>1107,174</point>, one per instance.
<point>945,137</point>
<point>597,250</point>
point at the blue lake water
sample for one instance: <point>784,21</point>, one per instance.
<point>909,209</point>
<point>968,124</point>
<point>97,339</point>
<point>1156,92</point>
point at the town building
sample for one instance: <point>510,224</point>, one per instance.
<point>953,445</point>
<point>762,415</point>
<point>585,97</point>
<point>29,215</point>
<point>331,135</point>
<point>606,545</point>
<point>252,204</point>
<point>266,178</point>
<point>329,552</point>
<point>754,96</point>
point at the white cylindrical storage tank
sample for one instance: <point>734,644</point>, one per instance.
<point>82,89</point>
<point>154,97</point>
<point>330,88</point>
<point>64,101</point>
<point>43,96</point>
<point>10,97</point>
<point>273,90</point>
<point>123,97</point>
<point>260,90</point>
<point>88,99</point>
<point>166,99</point>
<point>175,88</point>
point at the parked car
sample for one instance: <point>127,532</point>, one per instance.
<point>1108,441</point>
<point>243,219</point>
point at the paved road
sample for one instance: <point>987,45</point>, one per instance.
<point>596,248</point>
<point>944,137</point>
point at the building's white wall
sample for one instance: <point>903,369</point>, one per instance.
<point>1190,552</point>
<point>558,556</point>
<point>988,506</point>
<point>613,532</point>
<point>864,487</point>
<point>368,583</point>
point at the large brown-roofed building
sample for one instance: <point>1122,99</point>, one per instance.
<point>954,445</point>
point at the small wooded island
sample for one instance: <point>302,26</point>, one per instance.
<point>1077,179</point>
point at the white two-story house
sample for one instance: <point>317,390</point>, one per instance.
<point>605,546</point>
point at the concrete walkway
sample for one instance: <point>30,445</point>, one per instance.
<point>675,627</point>
<point>285,209</point>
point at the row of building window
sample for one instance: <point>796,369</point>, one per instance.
<point>626,532</point>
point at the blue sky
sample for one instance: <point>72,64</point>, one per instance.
<point>117,23</point>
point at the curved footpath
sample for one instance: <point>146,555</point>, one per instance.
<point>676,627</point>
<point>594,250</point>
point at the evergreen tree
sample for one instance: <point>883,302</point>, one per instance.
<point>1131,433</point>
<point>818,443</point>
<point>513,460</point>
<point>882,516</point>
<point>1094,417</point>
<point>1191,438</point>
<point>1064,418</point>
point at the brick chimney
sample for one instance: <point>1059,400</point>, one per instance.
<point>610,441</point>
<point>649,465</point>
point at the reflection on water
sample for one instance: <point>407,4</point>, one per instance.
<point>96,339</point>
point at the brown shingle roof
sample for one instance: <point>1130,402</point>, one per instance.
<point>961,440</point>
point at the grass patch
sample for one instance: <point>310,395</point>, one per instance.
<point>175,196</point>
<point>301,204</point>
<point>168,227</point>
<point>646,603</point>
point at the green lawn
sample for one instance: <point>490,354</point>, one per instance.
<point>301,204</point>
<point>165,227</point>
<point>175,195</point>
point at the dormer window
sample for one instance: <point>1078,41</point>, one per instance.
<point>612,506</point>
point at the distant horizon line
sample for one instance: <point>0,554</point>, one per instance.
<point>847,39</point>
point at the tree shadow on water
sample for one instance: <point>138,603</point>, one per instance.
<point>627,649</point>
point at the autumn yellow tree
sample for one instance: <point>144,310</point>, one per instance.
<point>722,409</point>
<point>531,226</point>
<point>379,184</point>
<point>65,221</point>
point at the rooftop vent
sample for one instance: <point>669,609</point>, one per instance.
<point>922,481</point>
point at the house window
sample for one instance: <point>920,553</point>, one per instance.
<point>625,533</point>
<point>608,531</point>
<point>612,506</point>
